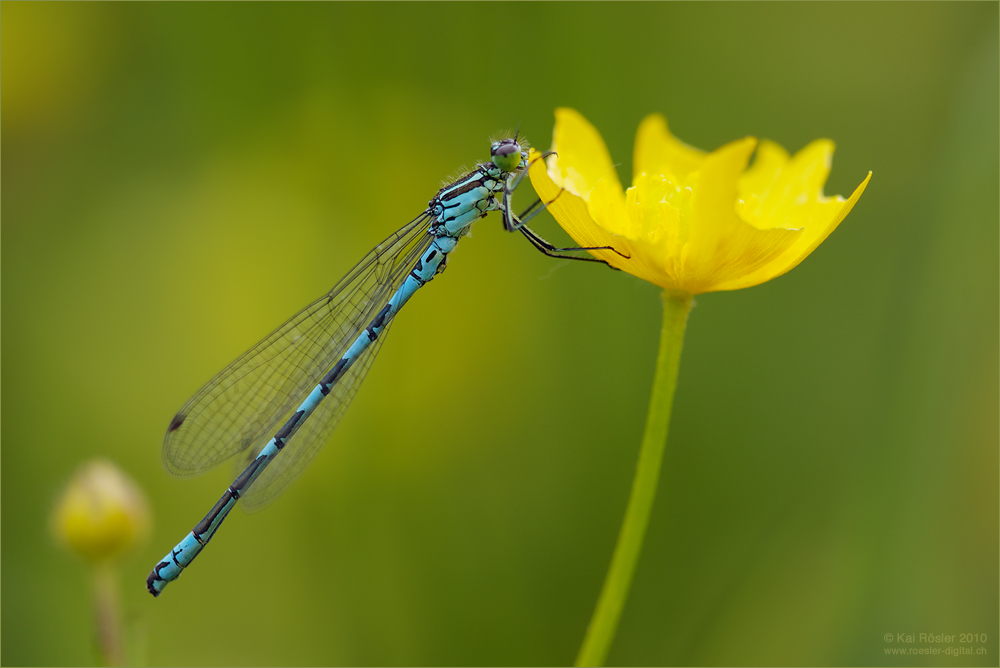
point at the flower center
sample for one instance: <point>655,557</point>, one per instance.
<point>658,206</point>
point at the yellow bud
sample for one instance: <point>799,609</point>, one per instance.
<point>101,513</point>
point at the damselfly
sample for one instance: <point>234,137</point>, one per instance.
<point>295,385</point>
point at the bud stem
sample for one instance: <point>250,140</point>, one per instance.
<point>107,615</point>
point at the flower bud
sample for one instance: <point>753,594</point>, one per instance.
<point>101,513</point>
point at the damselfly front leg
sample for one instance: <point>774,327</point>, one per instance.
<point>512,222</point>
<point>544,246</point>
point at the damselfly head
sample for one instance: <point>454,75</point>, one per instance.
<point>507,154</point>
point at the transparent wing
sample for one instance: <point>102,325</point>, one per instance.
<point>246,403</point>
<point>306,443</point>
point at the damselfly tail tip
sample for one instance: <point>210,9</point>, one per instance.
<point>153,577</point>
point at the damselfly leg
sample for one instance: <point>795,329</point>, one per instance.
<point>512,222</point>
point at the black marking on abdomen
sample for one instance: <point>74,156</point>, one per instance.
<point>431,255</point>
<point>335,373</point>
<point>378,322</point>
<point>202,527</point>
<point>176,422</point>
<point>239,485</point>
<point>380,318</point>
<point>154,576</point>
<point>286,430</point>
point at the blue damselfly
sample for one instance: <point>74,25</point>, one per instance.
<point>278,403</point>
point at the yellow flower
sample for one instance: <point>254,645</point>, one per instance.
<point>692,221</point>
<point>101,513</point>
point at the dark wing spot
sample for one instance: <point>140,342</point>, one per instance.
<point>176,422</point>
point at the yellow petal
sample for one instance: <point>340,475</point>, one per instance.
<point>743,250</point>
<point>810,167</point>
<point>582,149</point>
<point>723,247</point>
<point>824,217</point>
<point>787,193</point>
<point>583,166</point>
<point>713,190</point>
<point>659,152</point>
<point>757,183</point>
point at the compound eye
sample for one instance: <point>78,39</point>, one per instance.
<point>506,155</point>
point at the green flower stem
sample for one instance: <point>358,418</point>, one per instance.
<point>604,623</point>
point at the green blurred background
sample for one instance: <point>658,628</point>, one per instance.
<point>178,179</point>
